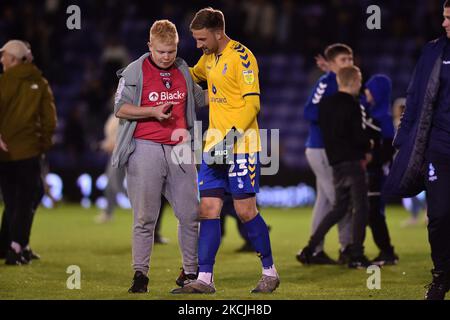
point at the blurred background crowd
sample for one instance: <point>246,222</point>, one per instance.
<point>284,35</point>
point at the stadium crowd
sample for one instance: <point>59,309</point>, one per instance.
<point>284,35</point>
<point>351,132</point>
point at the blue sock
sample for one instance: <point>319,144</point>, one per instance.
<point>208,244</point>
<point>258,235</point>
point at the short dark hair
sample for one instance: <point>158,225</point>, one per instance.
<point>332,51</point>
<point>447,4</point>
<point>208,18</point>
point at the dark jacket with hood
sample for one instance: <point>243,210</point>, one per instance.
<point>382,134</point>
<point>406,178</point>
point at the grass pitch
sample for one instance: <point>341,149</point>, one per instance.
<point>68,236</point>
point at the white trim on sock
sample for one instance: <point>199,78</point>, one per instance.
<point>206,277</point>
<point>270,272</point>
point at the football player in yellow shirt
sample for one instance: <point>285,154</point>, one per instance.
<point>231,72</point>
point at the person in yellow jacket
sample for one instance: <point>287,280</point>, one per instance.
<point>27,123</point>
<point>231,72</point>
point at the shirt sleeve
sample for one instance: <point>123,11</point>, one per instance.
<point>311,109</point>
<point>198,72</point>
<point>124,94</point>
<point>247,74</point>
<point>249,112</point>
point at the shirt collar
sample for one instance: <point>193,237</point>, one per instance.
<point>228,48</point>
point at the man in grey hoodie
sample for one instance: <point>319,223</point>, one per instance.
<point>156,100</point>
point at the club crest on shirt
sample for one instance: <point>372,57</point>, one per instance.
<point>225,68</point>
<point>167,82</point>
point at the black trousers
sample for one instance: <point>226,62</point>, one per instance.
<point>437,184</point>
<point>22,190</point>
<point>350,183</point>
<point>377,217</point>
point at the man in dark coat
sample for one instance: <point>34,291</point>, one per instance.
<point>423,159</point>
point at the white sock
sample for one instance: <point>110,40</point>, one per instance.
<point>16,247</point>
<point>270,272</point>
<point>206,277</point>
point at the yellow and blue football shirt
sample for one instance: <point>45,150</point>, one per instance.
<point>231,76</point>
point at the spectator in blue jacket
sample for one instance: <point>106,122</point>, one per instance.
<point>423,159</point>
<point>337,56</point>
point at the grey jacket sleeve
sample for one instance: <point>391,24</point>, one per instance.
<point>125,94</point>
<point>199,96</point>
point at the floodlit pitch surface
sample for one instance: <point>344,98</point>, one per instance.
<point>68,236</point>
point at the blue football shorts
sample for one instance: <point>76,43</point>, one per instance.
<point>239,178</point>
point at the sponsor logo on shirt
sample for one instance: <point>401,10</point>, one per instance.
<point>153,96</point>
<point>218,100</point>
<point>446,62</point>
<point>164,96</point>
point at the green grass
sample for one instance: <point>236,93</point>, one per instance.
<point>67,236</point>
